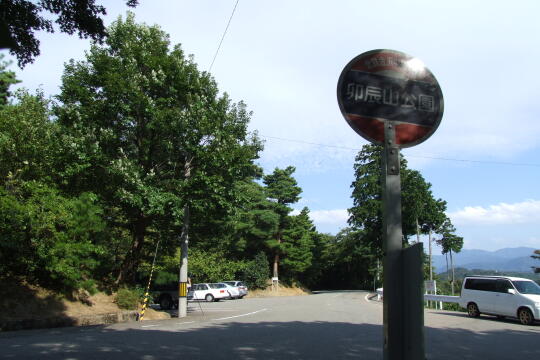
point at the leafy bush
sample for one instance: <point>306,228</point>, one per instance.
<point>127,298</point>
<point>257,272</point>
<point>452,307</point>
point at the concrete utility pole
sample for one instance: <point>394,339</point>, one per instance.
<point>184,240</point>
<point>430,263</point>
<point>182,290</point>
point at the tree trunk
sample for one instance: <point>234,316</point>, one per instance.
<point>276,262</point>
<point>447,269</point>
<point>133,258</point>
<point>276,259</point>
<point>452,265</point>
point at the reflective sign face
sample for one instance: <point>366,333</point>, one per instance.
<point>382,86</point>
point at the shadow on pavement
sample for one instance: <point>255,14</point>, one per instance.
<point>494,318</point>
<point>267,340</point>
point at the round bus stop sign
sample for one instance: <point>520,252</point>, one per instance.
<point>387,86</point>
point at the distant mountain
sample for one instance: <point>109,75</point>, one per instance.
<point>508,259</point>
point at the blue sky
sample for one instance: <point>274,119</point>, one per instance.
<point>283,58</point>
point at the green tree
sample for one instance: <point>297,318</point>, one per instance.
<point>366,213</point>
<point>317,275</point>
<point>46,237</point>
<point>244,233</point>
<point>298,244</point>
<point>420,210</point>
<point>422,213</point>
<point>354,260</point>
<point>257,272</point>
<point>450,243</point>
<point>19,19</point>
<point>28,139</point>
<point>7,78</point>
<point>282,190</point>
<point>49,239</point>
<point>154,138</point>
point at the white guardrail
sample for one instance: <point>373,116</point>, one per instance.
<point>431,297</point>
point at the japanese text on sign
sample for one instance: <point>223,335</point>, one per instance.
<point>389,96</point>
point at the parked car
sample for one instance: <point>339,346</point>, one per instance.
<point>502,296</point>
<point>209,292</point>
<point>234,291</point>
<point>242,287</point>
<point>165,295</point>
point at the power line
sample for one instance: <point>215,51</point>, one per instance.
<point>310,143</point>
<point>223,37</point>
<point>413,156</point>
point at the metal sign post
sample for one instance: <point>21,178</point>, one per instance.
<point>392,99</point>
<point>392,245</point>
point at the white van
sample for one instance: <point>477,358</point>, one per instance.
<point>502,296</point>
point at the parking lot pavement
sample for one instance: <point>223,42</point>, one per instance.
<point>330,325</point>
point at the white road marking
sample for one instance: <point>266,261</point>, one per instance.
<point>186,322</point>
<point>147,326</point>
<point>237,316</point>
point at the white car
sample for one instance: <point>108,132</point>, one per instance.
<point>502,296</point>
<point>209,292</point>
<point>242,288</point>
<point>234,292</point>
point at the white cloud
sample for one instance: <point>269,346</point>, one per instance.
<point>330,217</point>
<point>525,212</point>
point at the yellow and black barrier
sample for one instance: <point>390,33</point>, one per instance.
<point>145,304</point>
<point>182,289</point>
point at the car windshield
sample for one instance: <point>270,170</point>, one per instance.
<point>527,287</point>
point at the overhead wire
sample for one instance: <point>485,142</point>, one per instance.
<point>412,156</point>
<point>223,36</point>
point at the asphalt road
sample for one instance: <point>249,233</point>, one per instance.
<point>329,325</point>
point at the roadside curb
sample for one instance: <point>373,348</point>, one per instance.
<point>66,321</point>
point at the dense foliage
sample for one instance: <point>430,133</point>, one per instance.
<point>421,214</point>
<point>20,19</point>
<point>93,184</point>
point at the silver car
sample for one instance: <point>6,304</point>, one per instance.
<point>240,285</point>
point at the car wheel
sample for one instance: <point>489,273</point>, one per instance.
<point>209,298</point>
<point>525,316</point>
<point>472,309</point>
<point>165,302</point>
